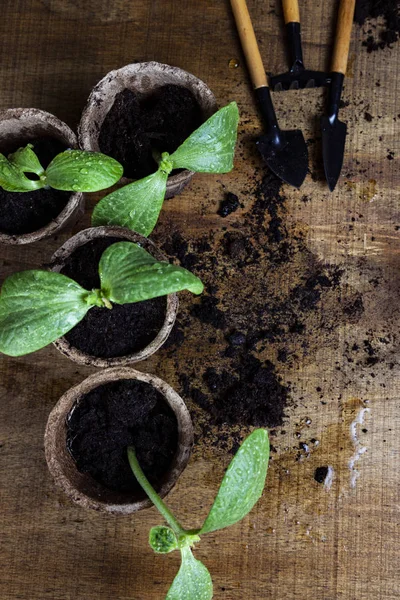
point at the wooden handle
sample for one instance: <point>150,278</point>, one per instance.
<point>343,36</point>
<point>249,43</point>
<point>291,12</point>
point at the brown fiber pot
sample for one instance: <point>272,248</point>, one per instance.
<point>58,261</point>
<point>143,78</point>
<point>21,125</point>
<point>81,487</point>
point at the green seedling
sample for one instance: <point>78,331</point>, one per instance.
<point>38,307</point>
<point>240,489</point>
<point>72,170</point>
<point>209,149</point>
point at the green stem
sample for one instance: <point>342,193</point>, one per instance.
<point>152,494</point>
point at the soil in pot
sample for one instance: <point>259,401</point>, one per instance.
<point>25,212</point>
<point>107,420</point>
<point>137,124</point>
<point>123,330</point>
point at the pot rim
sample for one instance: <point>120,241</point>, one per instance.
<point>204,96</point>
<point>59,460</point>
<point>58,260</point>
<point>75,203</point>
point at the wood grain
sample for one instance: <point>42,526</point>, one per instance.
<point>301,540</point>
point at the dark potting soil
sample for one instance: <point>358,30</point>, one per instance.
<point>228,205</point>
<point>108,333</point>
<point>320,474</point>
<point>379,37</point>
<point>25,212</point>
<point>252,394</point>
<point>136,125</point>
<point>114,416</point>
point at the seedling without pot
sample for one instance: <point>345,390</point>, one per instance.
<point>209,149</point>
<point>38,307</point>
<point>72,170</point>
<point>240,489</point>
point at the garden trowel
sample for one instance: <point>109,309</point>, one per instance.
<point>333,130</point>
<point>285,152</point>
<point>298,77</point>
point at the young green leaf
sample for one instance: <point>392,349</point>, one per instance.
<point>211,148</point>
<point>36,308</point>
<point>162,539</point>
<point>12,179</point>
<point>77,170</point>
<point>135,206</point>
<point>26,160</point>
<point>193,581</point>
<point>130,274</point>
<point>242,484</point>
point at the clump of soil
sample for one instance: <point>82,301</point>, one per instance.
<point>251,394</point>
<point>321,474</point>
<point>379,36</point>
<point>228,205</point>
<point>25,212</point>
<point>114,416</point>
<point>207,311</point>
<point>108,333</point>
<point>136,125</point>
<point>239,248</point>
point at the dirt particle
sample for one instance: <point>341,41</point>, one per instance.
<point>229,205</point>
<point>321,474</point>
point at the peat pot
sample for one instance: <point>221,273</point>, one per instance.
<point>19,126</point>
<point>81,487</point>
<point>144,78</point>
<point>125,334</point>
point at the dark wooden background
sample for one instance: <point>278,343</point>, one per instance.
<point>302,540</point>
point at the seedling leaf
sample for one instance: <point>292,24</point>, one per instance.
<point>36,308</point>
<point>77,170</point>
<point>130,274</point>
<point>193,581</point>
<point>136,206</point>
<point>211,148</point>
<point>242,484</point>
<point>162,539</point>
<point>26,160</point>
<point>12,179</point>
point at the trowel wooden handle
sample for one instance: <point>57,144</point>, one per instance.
<point>291,12</point>
<point>249,43</point>
<point>343,36</point>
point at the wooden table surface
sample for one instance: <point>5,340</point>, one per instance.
<point>303,539</point>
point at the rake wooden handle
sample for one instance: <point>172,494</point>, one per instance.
<point>291,11</point>
<point>343,36</point>
<point>249,43</point>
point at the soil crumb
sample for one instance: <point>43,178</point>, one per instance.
<point>228,205</point>
<point>321,474</point>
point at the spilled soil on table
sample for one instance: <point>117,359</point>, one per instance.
<point>269,305</point>
<point>380,20</point>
